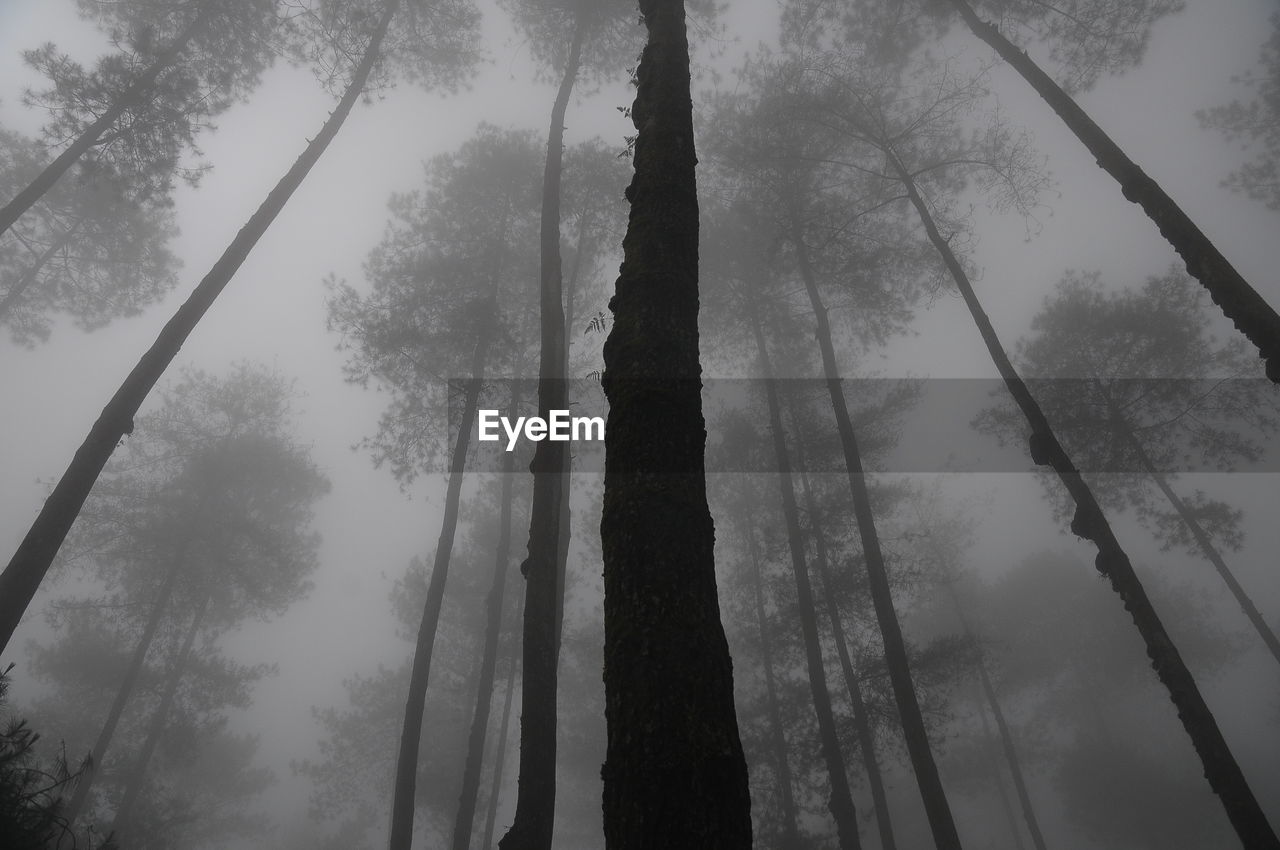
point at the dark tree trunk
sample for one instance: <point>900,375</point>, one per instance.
<point>500,757</point>
<point>488,666</point>
<point>782,769</point>
<point>543,569</point>
<point>19,288</point>
<point>138,773</point>
<point>1220,767</point>
<point>402,804</point>
<point>861,724</point>
<point>674,774</point>
<point>1202,540</point>
<point>22,577</point>
<point>1006,737</point>
<point>1252,315</point>
<point>841,800</point>
<point>85,784</point>
<point>937,808</point>
<point>131,96</point>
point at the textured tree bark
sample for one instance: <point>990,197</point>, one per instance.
<point>1239,301</point>
<point>841,800</point>
<point>138,773</point>
<point>782,769</point>
<point>465,817</point>
<point>131,96</point>
<point>937,808</point>
<point>1006,738</point>
<point>674,774</point>
<point>1220,767</point>
<point>543,568</point>
<point>22,577</point>
<point>861,725</point>
<point>402,803</point>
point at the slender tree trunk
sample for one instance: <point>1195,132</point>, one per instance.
<point>1220,767</point>
<point>543,568</point>
<point>937,808</point>
<point>131,96</point>
<point>29,277</point>
<point>1252,315</point>
<point>85,783</point>
<point>30,563</point>
<point>403,798</point>
<point>500,758</point>
<point>488,667</point>
<point>791,832</point>
<point>998,780</point>
<point>22,577</point>
<point>861,724</point>
<point>674,774</point>
<point>138,774</point>
<point>1202,540</point>
<point>841,800</point>
<point>1006,737</point>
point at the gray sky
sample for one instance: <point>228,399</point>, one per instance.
<point>273,311</point>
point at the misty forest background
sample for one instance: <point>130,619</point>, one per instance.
<point>232,626</point>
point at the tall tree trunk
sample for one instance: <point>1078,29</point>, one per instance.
<point>841,800</point>
<point>1010,818</point>
<point>674,774</point>
<point>22,577</point>
<point>937,808</point>
<point>1006,737</point>
<point>1220,767</point>
<point>1202,538</point>
<point>138,774</point>
<point>19,288</point>
<point>500,757</point>
<point>1252,315</point>
<point>861,724</point>
<point>542,569</point>
<point>402,804</point>
<point>782,769</point>
<point>132,96</point>
<point>85,783</point>
<point>488,666</point>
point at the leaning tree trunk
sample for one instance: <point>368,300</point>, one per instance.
<point>138,773</point>
<point>500,757</point>
<point>1202,539</point>
<point>489,664</point>
<point>1252,315</point>
<point>861,723</point>
<point>937,808</point>
<point>674,774</point>
<point>1220,767</point>
<point>544,579</point>
<point>841,800</point>
<point>22,577</point>
<point>1006,737</point>
<point>402,803</point>
<point>782,768</point>
<point>134,95</point>
<point>85,783</point>
<point>1005,806</point>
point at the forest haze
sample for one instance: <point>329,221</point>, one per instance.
<point>936,347</point>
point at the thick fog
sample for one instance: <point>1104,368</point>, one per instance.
<point>232,618</point>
